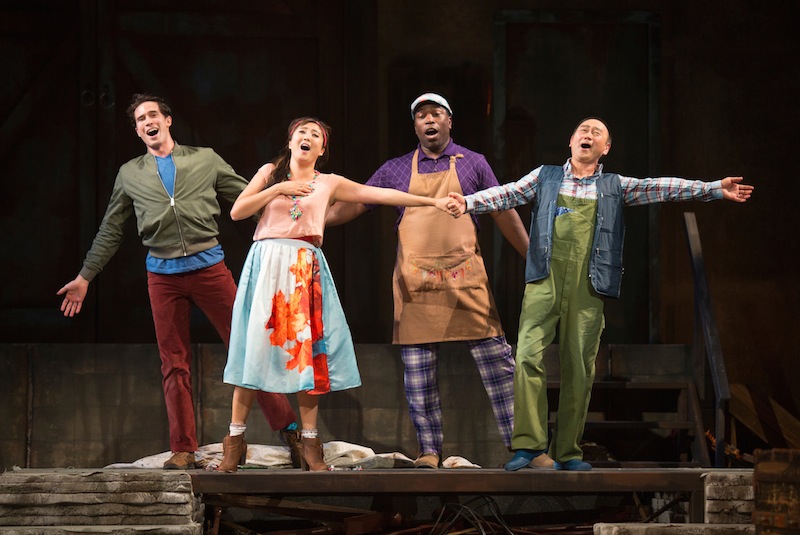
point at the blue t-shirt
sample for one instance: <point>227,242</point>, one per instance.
<point>185,264</point>
<point>166,172</point>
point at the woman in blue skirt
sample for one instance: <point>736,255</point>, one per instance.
<point>289,333</point>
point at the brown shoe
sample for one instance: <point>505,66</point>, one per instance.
<point>312,457</point>
<point>295,443</point>
<point>180,460</point>
<point>234,453</point>
<point>427,460</point>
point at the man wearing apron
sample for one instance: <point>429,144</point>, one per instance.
<point>573,261</point>
<point>441,290</point>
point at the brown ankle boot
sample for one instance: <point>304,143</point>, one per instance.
<point>295,443</point>
<point>312,458</point>
<point>234,453</point>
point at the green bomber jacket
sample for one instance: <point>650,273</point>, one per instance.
<point>169,226</point>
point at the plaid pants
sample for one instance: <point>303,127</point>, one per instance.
<point>496,367</point>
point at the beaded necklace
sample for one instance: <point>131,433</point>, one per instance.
<point>296,210</point>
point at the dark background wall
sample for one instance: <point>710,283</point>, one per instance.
<point>689,89</point>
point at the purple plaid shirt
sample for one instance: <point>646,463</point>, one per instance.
<point>474,172</point>
<point>635,191</point>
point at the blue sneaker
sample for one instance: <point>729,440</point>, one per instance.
<point>521,459</point>
<point>575,465</point>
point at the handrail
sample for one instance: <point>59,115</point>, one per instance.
<point>707,324</point>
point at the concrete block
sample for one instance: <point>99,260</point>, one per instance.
<point>734,492</point>
<point>721,477</point>
<point>745,507</point>
<point>83,500</point>
<point>727,518</point>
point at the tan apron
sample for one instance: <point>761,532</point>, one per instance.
<point>440,286</point>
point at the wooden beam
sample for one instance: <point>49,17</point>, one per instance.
<point>765,417</point>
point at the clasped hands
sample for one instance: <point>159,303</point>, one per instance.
<point>454,204</point>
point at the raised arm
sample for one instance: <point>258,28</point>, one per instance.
<point>255,196</point>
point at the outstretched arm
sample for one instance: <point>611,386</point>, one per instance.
<point>350,191</point>
<point>255,197</point>
<point>734,190</point>
<point>343,212</point>
<point>74,293</point>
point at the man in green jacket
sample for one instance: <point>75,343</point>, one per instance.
<point>173,191</point>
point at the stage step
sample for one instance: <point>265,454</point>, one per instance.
<point>611,384</point>
<point>672,529</point>
<point>95,501</point>
<point>638,424</point>
<point>645,404</point>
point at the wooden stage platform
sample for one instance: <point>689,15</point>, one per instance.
<point>460,481</point>
<point>455,482</point>
<point>197,498</point>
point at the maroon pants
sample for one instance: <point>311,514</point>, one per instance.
<point>171,296</point>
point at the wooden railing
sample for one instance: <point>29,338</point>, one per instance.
<point>706,338</point>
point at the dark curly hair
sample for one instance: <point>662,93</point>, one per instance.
<point>139,98</point>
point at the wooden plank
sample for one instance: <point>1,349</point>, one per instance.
<point>96,475</point>
<point>650,465</point>
<point>78,487</point>
<point>354,521</point>
<point>369,523</point>
<point>445,481</point>
<point>98,497</point>
<point>764,417</point>
<point>107,520</point>
<point>285,507</point>
<point>55,498</point>
<point>107,507</point>
<point>633,384</point>
<point>655,362</point>
<point>636,424</point>
<point>115,529</point>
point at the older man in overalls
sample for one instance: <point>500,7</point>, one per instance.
<point>573,263</point>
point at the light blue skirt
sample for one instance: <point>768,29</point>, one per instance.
<point>289,333</point>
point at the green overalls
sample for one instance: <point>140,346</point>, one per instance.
<point>564,299</point>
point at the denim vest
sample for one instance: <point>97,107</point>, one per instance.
<point>605,262</point>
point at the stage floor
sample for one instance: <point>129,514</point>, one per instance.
<point>143,495</point>
<point>447,481</point>
<point>453,482</point>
